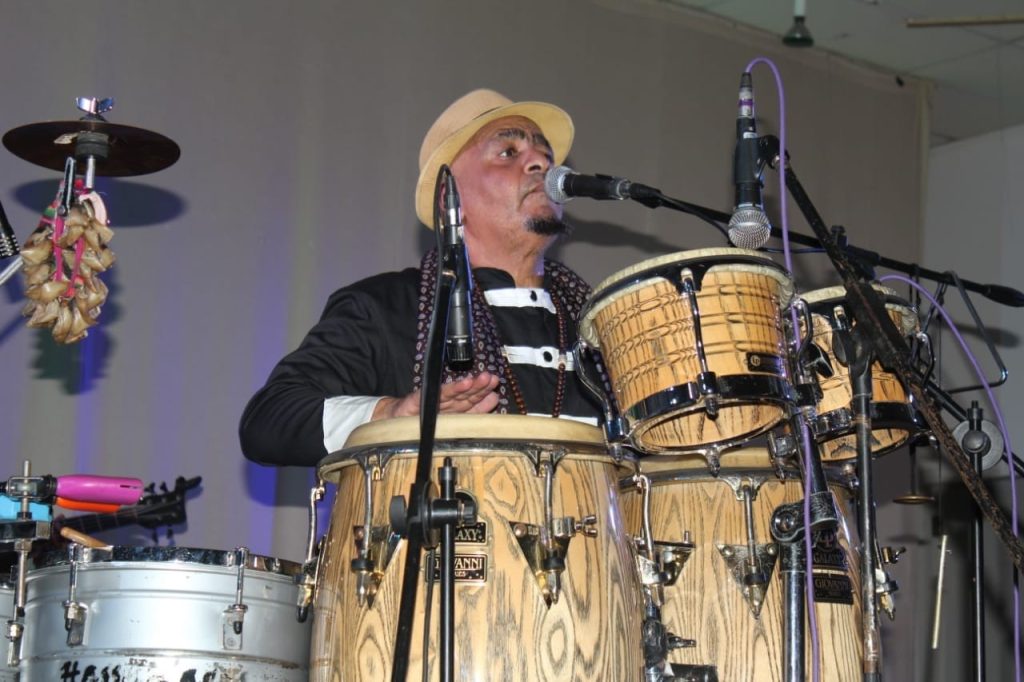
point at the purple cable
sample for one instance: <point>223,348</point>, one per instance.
<point>812,616</point>
<point>1008,448</point>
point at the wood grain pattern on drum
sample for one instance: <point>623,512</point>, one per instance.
<point>646,335</point>
<point>837,392</point>
<point>706,604</point>
<point>504,629</point>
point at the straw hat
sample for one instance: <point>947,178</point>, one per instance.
<point>468,114</point>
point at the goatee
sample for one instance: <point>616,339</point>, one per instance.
<point>549,227</point>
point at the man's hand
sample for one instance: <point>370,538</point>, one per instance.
<point>475,395</point>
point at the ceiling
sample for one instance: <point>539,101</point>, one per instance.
<point>978,71</point>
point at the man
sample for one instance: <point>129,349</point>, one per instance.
<point>363,361</point>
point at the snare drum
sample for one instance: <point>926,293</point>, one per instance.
<point>163,613</point>
<point>738,629</point>
<point>510,623</point>
<point>694,347</point>
<point>893,419</point>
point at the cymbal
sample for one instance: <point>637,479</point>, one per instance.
<point>132,151</point>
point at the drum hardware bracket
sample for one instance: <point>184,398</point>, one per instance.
<point>378,548</point>
<point>668,562</point>
<point>744,482</point>
<point>659,563</point>
<point>658,641</point>
<point>707,381</point>
<point>752,584</point>
<point>545,546</point>
<point>545,549</point>
<point>306,579</point>
<point>751,564</point>
<point>374,544</point>
<point>234,615</point>
<point>545,461</point>
<point>75,613</point>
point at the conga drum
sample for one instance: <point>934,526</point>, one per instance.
<point>736,623</point>
<point>528,476</point>
<point>694,348</point>
<point>893,418</point>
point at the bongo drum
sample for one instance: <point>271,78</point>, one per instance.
<point>739,630</point>
<point>893,419</point>
<point>694,348</point>
<point>163,613</point>
<point>528,476</point>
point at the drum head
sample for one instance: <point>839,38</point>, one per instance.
<point>182,555</point>
<point>619,284</point>
<point>822,301</point>
<point>464,428</point>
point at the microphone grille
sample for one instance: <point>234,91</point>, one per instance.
<point>749,228</point>
<point>553,184</point>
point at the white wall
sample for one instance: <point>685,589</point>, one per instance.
<point>972,225</point>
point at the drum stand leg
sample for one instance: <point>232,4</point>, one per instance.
<point>859,358</point>
<point>787,526</point>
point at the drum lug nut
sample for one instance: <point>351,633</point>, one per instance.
<point>74,622</point>
<point>231,630</point>
<point>586,526</point>
<point>677,642</point>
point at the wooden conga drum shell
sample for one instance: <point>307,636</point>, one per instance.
<point>706,603</point>
<point>893,418</point>
<point>646,333</point>
<point>504,629</point>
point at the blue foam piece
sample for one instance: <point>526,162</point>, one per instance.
<point>9,509</point>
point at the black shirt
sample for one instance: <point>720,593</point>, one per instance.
<point>364,345</point>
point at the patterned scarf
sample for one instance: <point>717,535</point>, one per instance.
<point>570,290</point>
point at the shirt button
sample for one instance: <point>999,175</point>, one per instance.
<point>533,296</point>
<point>548,357</point>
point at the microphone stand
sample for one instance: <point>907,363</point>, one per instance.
<point>880,334</point>
<point>868,310</point>
<point>426,513</point>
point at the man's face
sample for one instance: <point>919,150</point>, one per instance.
<point>500,174</point>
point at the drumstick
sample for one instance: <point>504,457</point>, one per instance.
<point>938,594</point>
<point>81,538</point>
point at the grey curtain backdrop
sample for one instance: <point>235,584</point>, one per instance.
<point>300,124</point>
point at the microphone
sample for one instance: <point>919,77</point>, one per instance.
<point>459,339</point>
<point>749,227</point>
<point>8,242</point>
<point>563,183</point>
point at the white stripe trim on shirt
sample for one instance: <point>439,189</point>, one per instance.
<point>520,298</point>
<point>528,355</point>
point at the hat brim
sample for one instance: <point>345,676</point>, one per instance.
<point>554,122</point>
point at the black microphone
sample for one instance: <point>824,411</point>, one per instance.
<point>8,242</point>
<point>749,227</point>
<point>563,183</point>
<point>459,339</point>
